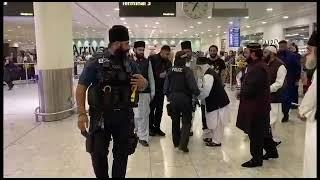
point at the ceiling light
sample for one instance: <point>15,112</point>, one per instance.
<point>217,34</point>
<point>157,23</point>
<point>264,22</point>
<point>199,22</point>
<point>116,9</point>
<point>230,22</point>
<point>196,34</point>
<point>9,40</point>
<point>191,27</point>
<point>269,9</point>
<point>185,30</point>
<point>247,17</point>
<point>107,15</point>
<point>93,30</point>
<point>9,30</point>
<point>248,26</point>
<point>146,25</point>
<point>124,22</point>
<point>285,17</point>
<point>154,27</point>
<point>128,27</point>
<point>122,19</point>
<point>219,27</point>
<point>18,27</point>
<point>5,3</point>
<point>177,34</point>
<point>209,30</point>
<point>209,17</point>
<point>210,36</point>
<point>202,32</point>
<point>224,32</point>
<point>26,14</point>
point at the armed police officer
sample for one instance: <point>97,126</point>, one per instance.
<point>112,79</point>
<point>179,87</point>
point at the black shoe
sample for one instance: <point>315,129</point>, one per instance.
<point>160,133</point>
<point>191,133</point>
<point>251,163</point>
<point>285,118</point>
<point>151,132</point>
<point>143,143</point>
<point>186,150</point>
<point>269,155</point>
<point>212,144</point>
<point>11,86</point>
<point>207,140</point>
<point>277,143</point>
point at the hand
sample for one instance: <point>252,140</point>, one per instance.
<point>83,122</point>
<point>301,117</point>
<point>139,81</point>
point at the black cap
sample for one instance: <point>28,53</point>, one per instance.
<point>254,46</point>
<point>139,44</point>
<point>202,60</point>
<point>180,55</point>
<point>186,45</point>
<point>313,39</point>
<point>118,33</point>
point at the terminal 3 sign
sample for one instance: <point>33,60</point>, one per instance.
<point>147,9</point>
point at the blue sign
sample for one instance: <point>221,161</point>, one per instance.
<point>234,36</point>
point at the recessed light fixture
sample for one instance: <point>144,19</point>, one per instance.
<point>191,27</point>
<point>199,22</point>
<point>269,9</point>
<point>219,27</point>
<point>230,22</point>
<point>154,27</point>
<point>202,32</point>
<point>116,9</point>
<point>248,26</point>
<point>247,17</point>
<point>122,19</point>
<point>285,17</point>
<point>209,17</point>
<point>217,34</point>
<point>124,22</point>
<point>93,30</point>
<point>5,3</point>
<point>146,25</point>
<point>18,27</point>
<point>26,14</point>
<point>185,30</point>
<point>107,15</point>
<point>9,40</point>
<point>177,34</point>
<point>209,30</point>
<point>264,22</point>
<point>157,23</point>
<point>224,32</point>
<point>9,30</point>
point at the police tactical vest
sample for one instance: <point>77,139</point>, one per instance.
<point>273,69</point>
<point>144,68</point>
<point>218,97</point>
<point>178,81</point>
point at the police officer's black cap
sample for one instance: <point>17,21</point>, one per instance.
<point>254,46</point>
<point>118,33</point>
<point>202,60</point>
<point>186,45</point>
<point>180,55</point>
<point>139,44</point>
<point>313,39</point>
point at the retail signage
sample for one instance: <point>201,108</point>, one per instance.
<point>271,42</point>
<point>147,9</point>
<point>234,36</point>
<point>87,45</point>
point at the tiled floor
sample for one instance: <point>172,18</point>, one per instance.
<point>56,149</point>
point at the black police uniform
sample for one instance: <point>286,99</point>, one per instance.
<point>179,87</point>
<point>110,112</point>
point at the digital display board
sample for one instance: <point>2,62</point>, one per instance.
<point>234,36</point>
<point>18,9</point>
<point>147,9</point>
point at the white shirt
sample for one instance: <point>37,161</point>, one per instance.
<point>308,105</point>
<point>281,75</point>
<point>207,84</point>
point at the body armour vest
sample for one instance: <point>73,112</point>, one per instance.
<point>218,97</point>
<point>178,81</point>
<point>273,69</point>
<point>144,68</point>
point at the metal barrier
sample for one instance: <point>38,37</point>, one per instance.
<point>37,113</point>
<point>26,69</point>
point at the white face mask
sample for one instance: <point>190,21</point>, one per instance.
<point>311,60</point>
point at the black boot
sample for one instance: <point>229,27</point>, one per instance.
<point>285,118</point>
<point>273,155</point>
<point>160,133</point>
<point>252,163</point>
<point>143,143</point>
<point>152,132</point>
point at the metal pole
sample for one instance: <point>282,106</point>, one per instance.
<point>25,66</point>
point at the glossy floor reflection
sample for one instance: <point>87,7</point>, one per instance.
<point>56,149</point>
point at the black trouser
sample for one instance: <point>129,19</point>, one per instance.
<point>156,109</point>
<point>117,124</point>
<point>180,137</point>
<point>203,116</point>
<point>7,76</point>
<point>288,98</point>
<point>261,138</point>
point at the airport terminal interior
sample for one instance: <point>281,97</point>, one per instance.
<point>48,45</point>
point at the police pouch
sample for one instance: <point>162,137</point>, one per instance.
<point>169,109</point>
<point>89,141</point>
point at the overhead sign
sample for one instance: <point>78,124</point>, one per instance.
<point>234,36</point>
<point>18,9</point>
<point>147,9</point>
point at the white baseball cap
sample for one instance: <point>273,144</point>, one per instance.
<point>272,49</point>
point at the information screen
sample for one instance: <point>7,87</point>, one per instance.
<point>147,9</point>
<point>234,36</point>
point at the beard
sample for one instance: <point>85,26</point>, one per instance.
<point>249,60</point>
<point>139,56</point>
<point>213,55</point>
<point>266,59</point>
<point>311,61</point>
<point>121,54</point>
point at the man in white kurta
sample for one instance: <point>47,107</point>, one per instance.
<point>278,70</point>
<point>217,119</point>
<point>307,111</point>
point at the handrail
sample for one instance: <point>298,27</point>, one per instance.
<point>37,112</point>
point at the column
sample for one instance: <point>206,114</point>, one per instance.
<point>53,30</point>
